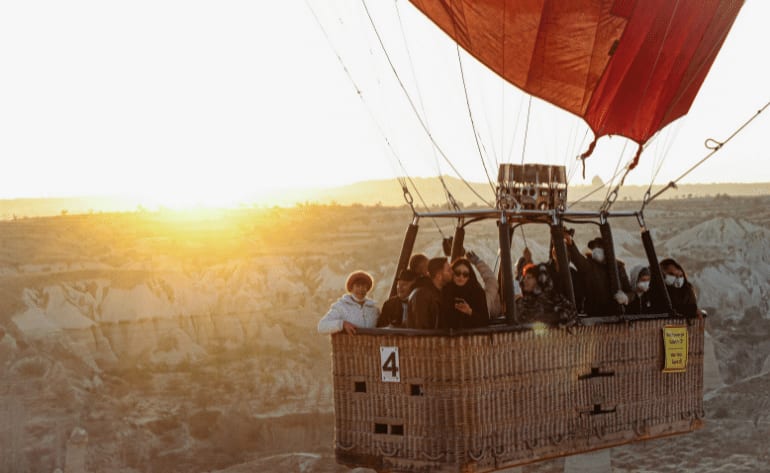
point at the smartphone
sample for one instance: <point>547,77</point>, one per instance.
<point>459,300</point>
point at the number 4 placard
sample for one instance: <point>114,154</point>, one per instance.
<point>389,365</point>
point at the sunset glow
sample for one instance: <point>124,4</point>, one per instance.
<point>223,105</point>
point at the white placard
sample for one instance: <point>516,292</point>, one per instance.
<point>391,370</point>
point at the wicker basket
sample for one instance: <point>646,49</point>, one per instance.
<point>491,399</point>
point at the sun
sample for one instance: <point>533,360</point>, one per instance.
<point>208,192</point>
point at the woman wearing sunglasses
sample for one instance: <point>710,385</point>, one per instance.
<point>463,300</point>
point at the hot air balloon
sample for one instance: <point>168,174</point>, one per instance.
<point>483,399</point>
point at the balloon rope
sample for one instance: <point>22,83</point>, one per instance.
<point>515,129</point>
<point>414,108</point>
<point>714,146</point>
<point>447,193</point>
<point>470,115</point>
<point>526,131</point>
<point>360,95</point>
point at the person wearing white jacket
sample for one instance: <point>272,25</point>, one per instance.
<point>353,310</point>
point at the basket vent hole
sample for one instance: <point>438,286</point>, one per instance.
<point>397,430</point>
<point>360,387</point>
<point>380,428</point>
<point>416,390</point>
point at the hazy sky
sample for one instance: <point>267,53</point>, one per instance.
<point>183,102</point>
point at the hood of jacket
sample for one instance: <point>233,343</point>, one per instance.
<point>633,275</point>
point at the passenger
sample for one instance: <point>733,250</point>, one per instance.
<point>539,301</point>
<point>680,290</point>
<point>394,310</point>
<point>524,260</point>
<point>595,277</point>
<point>491,286</point>
<point>463,301</point>
<point>554,271</point>
<point>353,310</point>
<point>640,301</point>
<point>419,264</point>
<point>425,301</point>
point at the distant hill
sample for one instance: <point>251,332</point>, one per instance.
<point>385,192</point>
<point>388,192</point>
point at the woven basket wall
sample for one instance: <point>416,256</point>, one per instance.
<point>472,403</point>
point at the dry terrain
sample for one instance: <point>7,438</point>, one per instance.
<point>185,341</point>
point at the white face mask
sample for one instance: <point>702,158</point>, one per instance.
<point>598,255</point>
<point>670,279</point>
<point>643,286</point>
<point>679,282</point>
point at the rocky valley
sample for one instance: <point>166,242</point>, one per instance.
<point>186,341</point>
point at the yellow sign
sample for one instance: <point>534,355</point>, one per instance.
<point>675,344</point>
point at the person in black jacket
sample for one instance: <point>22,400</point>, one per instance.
<point>424,310</point>
<point>463,300</point>
<point>595,278</point>
<point>680,290</point>
<point>419,264</point>
<point>640,301</point>
<point>394,310</point>
<point>554,272</point>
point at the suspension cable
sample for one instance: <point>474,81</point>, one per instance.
<point>574,167</point>
<point>360,95</point>
<point>661,159</point>
<point>516,127</point>
<point>470,115</point>
<point>414,108</point>
<point>711,144</point>
<point>502,107</point>
<point>526,131</point>
<point>502,88</point>
<point>447,194</point>
<point>612,193</point>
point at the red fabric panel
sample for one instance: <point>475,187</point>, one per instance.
<point>627,67</point>
<point>553,49</point>
<point>659,65</point>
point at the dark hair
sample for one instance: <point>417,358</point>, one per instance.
<point>407,275</point>
<point>466,262</point>
<point>435,266</point>
<point>541,274</point>
<point>417,259</point>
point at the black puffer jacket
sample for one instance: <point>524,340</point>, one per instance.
<point>682,298</point>
<point>595,279</point>
<point>392,313</point>
<point>424,311</point>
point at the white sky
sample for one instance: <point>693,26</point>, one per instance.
<point>215,102</point>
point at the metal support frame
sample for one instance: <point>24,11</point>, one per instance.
<point>557,239</point>
<point>506,268</point>
<point>609,257</point>
<point>660,298</point>
<point>406,251</point>
<point>457,242</point>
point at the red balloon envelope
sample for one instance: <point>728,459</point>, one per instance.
<point>627,67</point>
